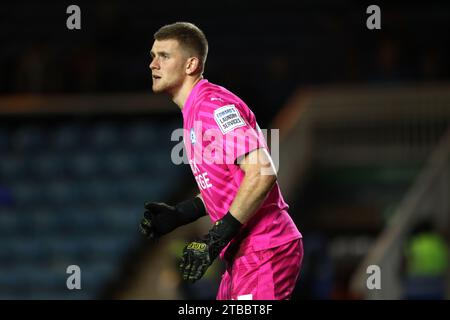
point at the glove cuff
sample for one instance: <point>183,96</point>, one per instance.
<point>191,210</point>
<point>231,225</point>
<point>224,231</point>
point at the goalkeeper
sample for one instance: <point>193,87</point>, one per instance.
<point>252,230</point>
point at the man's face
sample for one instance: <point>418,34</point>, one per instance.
<point>168,66</point>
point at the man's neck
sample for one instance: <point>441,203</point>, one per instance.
<point>182,94</point>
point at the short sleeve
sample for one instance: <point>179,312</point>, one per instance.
<point>229,131</point>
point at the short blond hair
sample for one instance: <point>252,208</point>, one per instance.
<point>189,36</point>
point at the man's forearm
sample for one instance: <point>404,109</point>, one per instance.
<point>252,192</point>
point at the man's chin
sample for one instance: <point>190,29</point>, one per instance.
<point>158,89</point>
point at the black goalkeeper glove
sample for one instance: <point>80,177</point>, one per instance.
<point>160,218</point>
<point>199,255</point>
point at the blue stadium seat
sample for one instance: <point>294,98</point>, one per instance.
<point>141,134</point>
<point>82,164</point>
<point>68,136</point>
<point>65,247</point>
<point>111,247</point>
<point>78,220</point>
<point>6,198</point>
<point>28,193</point>
<point>12,167</point>
<point>138,190</point>
<point>100,191</point>
<point>27,249</point>
<point>6,252</point>
<point>104,135</point>
<point>46,278</point>
<point>60,192</point>
<point>122,217</point>
<point>30,138</point>
<point>44,221</point>
<point>8,222</point>
<point>156,163</point>
<point>12,279</point>
<point>67,221</point>
<point>47,165</point>
<point>121,163</point>
<point>5,141</point>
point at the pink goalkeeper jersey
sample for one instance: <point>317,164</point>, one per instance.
<point>219,129</point>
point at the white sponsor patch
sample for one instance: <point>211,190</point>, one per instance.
<point>228,118</point>
<point>245,297</point>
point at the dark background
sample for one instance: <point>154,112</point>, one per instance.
<point>262,50</point>
<point>73,182</point>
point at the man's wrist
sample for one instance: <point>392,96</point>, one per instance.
<point>225,229</point>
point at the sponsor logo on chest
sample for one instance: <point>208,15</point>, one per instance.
<point>228,118</point>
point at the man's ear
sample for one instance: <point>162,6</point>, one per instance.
<point>192,65</point>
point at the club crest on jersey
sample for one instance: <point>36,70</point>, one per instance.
<point>228,118</point>
<point>193,138</point>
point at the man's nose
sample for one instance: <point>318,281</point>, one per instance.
<point>153,64</point>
